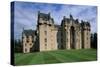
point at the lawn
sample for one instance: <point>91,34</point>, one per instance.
<point>58,56</point>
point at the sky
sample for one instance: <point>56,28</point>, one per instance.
<point>25,14</point>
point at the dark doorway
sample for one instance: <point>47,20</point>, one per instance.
<point>72,37</point>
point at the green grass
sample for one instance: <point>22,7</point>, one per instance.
<point>57,56</point>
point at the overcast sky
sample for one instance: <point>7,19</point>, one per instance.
<point>26,14</point>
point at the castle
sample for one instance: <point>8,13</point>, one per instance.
<point>69,35</point>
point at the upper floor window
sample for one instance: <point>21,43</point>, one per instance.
<point>27,40</point>
<point>45,32</point>
<point>45,40</point>
<point>87,38</point>
<point>45,44</point>
<point>32,41</point>
<point>30,44</point>
<point>45,25</point>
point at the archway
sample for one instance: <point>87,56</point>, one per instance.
<point>72,37</point>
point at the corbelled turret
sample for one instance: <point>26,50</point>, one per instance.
<point>45,18</point>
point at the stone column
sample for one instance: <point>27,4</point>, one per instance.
<point>76,40</point>
<point>80,43</point>
<point>68,38</point>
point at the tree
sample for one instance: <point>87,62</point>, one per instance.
<point>94,40</point>
<point>17,46</point>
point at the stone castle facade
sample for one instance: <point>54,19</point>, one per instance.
<point>69,35</point>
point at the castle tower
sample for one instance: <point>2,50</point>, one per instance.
<point>46,32</point>
<point>28,40</point>
<point>71,33</point>
<point>65,33</point>
<point>85,34</point>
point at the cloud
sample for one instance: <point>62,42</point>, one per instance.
<point>26,14</point>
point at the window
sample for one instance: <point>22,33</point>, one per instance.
<point>87,38</point>
<point>45,44</point>
<point>32,41</point>
<point>27,40</point>
<point>45,32</point>
<point>45,25</point>
<point>30,44</point>
<point>25,49</point>
<point>87,33</point>
<point>45,40</point>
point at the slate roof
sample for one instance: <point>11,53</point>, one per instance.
<point>44,16</point>
<point>85,23</point>
<point>29,32</point>
<point>69,19</point>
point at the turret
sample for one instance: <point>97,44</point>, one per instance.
<point>85,34</point>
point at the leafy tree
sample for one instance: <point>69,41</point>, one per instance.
<point>17,46</point>
<point>94,40</point>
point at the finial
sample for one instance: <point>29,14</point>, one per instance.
<point>64,17</point>
<point>49,14</point>
<point>38,12</point>
<point>71,17</point>
<point>82,21</point>
<point>77,20</point>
